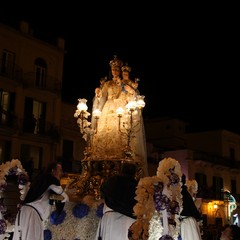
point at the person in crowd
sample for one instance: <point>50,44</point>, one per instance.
<point>192,187</point>
<point>111,138</point>
<point>36,207</point>
<point>189,215</point>
<point>118,193</point>
<point>230,232</point>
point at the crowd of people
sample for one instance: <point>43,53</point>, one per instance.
<point>118,193</point>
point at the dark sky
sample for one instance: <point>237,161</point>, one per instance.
<point>187,58</point>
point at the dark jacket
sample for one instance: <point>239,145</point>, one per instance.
<point>189,207</point>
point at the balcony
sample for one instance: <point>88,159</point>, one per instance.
<point>216,160</point>
<point>11,71</point>
<point>14,74</point>
<point>50,84</point>
<point>10,123</point>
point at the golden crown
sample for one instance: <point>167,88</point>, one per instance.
<point>116,62</point>
<point>126,68</point>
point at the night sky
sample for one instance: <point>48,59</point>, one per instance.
<point>187,59</point>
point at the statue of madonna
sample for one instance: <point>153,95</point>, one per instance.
<point>118,130</point>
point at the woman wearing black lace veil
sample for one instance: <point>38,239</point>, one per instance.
<point>189,216</point>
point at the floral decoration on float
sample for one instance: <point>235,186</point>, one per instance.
<point>78,220</point>
<point>11,168</point>
<point>159,204</point>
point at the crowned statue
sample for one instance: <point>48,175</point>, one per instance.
<point>115,132</point>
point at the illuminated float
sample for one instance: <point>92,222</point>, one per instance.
<point>114,134</point>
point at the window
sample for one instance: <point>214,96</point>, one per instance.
<point>7,102</point>
<point>41,72</point>
<point>4,105</point>
<point>202,184</point>
<point>31,152</point>
<point>233,186</point>
<point>8,63</point>
<point>34,116</point>
<point>217,187</point>
<point>5,151</point>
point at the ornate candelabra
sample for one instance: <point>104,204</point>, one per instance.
<point>86,183</point>
<point>85,126</point>
<point>129,124</point>
<point>132,125</point>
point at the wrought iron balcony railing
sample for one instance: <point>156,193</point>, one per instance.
<point>28,79</point>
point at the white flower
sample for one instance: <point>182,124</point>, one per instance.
<point>4,171</point>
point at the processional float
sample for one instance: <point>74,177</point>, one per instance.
<point>113,136</point>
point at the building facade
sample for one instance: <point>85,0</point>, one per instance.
<point>35,125</point>
<point>212,158</point>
